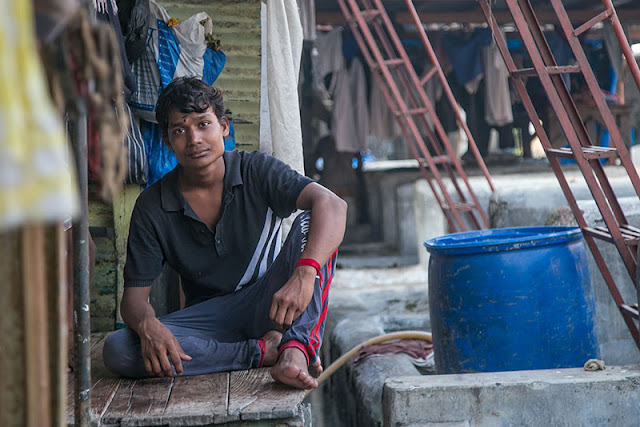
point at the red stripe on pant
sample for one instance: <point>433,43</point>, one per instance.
<point>314,341</point>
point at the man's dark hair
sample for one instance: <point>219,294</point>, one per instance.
<point>187,95</point>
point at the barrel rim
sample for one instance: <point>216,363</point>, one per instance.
<point>514,238</point>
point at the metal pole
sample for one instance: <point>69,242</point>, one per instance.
<point>81,317</point>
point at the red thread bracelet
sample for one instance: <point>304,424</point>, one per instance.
<point>311,263</point>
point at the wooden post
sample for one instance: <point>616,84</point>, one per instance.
<point>122,208</point>
<point>32,355</point>
<point>58,285</point>
<point>12,331</point>
<point>36,335</point>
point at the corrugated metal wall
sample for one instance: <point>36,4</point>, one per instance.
<point>237,25</point>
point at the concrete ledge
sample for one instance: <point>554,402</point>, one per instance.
<point>356,390</point>
<point>558,397</point>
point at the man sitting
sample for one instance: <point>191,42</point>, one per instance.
<point>216,219</point>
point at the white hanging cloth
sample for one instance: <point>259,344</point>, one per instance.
<point>497,101</point>
<point>284,53</point>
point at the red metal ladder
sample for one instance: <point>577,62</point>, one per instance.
<point>404,92</point>
<point>586,154</point>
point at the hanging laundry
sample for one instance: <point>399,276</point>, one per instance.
<point>307,10</point>
<point>283,54</point>
<point>107,11</point>
<point>134,21</point>
<point>350,116</point>
<point>562,53</point>
<point>433,90</point>
<point>358,83</point>
<point>172,51</point>
<point>497,103</point>
<point>330,55</point>
<point>35,177</point>
<point>343,127</point>
<point>465,55</point>
<point>433,87</point>
<point>383,123</point>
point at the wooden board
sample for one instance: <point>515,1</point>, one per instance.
<point>198,400</point>
<point>103,383</point>
<point>253,395</point>
<point>139,402</point>
<point>227,397</point>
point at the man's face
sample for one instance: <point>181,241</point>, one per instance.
<point>197,139</point>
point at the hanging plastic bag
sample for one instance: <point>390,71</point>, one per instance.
<point>214,61</point>
<point>230,140</point>
<point>172,51</point>
<point>161,159</point>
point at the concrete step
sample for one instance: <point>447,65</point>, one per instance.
<point>555,397</point>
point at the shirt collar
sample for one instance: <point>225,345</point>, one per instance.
<point>232,171</point>
<point>170,195</point>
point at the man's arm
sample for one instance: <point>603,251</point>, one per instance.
<point>326,230</point>
<point>156,340</point>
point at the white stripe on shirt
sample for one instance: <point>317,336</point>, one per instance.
<point>270,230</point>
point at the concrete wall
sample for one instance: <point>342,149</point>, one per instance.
<point>559,397</point>
<point>616,344</point>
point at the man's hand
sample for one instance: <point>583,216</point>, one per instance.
<point>293,298</point>
<point>157,342</point>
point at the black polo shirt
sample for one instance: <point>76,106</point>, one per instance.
<point>259,190</point>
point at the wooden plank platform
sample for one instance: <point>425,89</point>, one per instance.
<point>231,398</point>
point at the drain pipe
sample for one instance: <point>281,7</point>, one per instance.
<point>342,360</point>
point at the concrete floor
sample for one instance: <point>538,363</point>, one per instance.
<point>388,390</point>
<point>361,296</point>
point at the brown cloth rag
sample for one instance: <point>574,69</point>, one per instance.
<point>594,365</point>
<point>418,349</point>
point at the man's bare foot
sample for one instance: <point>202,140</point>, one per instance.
<point>272,341</point>
<point>315,369</point>
<point>291,368</point>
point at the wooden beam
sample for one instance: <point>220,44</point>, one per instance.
<point>476,16</point>
<point>34,283</point>
<point>13,401</point>
<point>58,282</point>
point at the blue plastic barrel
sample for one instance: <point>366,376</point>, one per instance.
<point>511,299</point>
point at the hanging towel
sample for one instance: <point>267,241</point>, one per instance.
<point>358,83</point>
<point>343,127</point>
<point>329,47</point>
<point>497,101</point>
<point>383,124</point>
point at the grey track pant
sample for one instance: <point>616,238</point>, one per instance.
<point>221,334</point>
